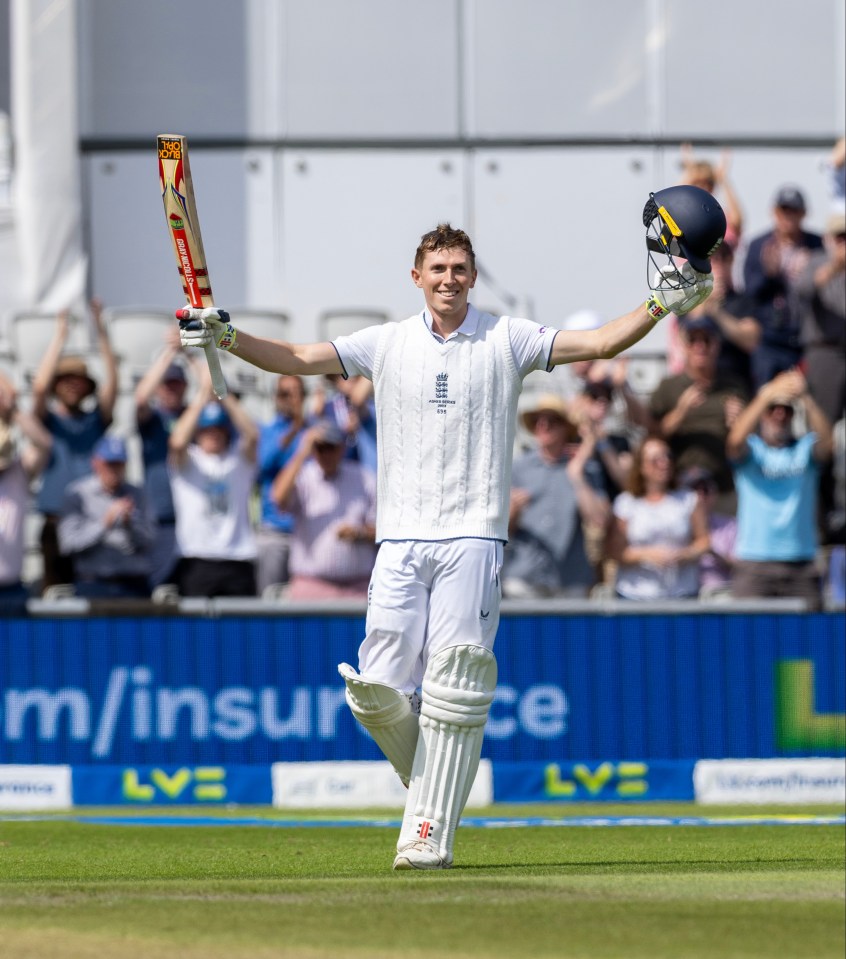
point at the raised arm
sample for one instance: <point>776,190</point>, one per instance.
<point>44,374</point>
<point>818,423</point>
<point>184,427</point>
<point>283,485</point>
<point>148,384</point>
<point>244,425</point>
<point>35,454</point>
<point>199,327</point>
<point>618,335</point>
<point>107,393</point>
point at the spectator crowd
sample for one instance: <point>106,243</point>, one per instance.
<point>726,482</point>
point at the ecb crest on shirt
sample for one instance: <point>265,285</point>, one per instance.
<point>441,399</point>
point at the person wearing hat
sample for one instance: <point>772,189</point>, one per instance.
<point>76,412</point>
<point>694,409</point>
<point>777,479</point>
<point>212,467</point>
<point>18,469</point>
<point>773,262</point>
<point>554,496</point>
<point>106,527</point>
<point>159,402</point>
<point>333,502</point>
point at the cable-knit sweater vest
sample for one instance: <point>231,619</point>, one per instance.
<point>446,417</point>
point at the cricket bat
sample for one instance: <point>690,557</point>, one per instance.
<point>183,224</point>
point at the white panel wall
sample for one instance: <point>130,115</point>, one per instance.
<point>564,226</point>
<point>547,68</point>
<point>352,221</point>
<point>132,259</point>
<point>377,69</point>
<point>159,66</point>
<point>748,68</point>
<point>310,230</point>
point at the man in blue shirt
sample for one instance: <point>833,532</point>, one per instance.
<point>278,441</point>
<point>777,478</point>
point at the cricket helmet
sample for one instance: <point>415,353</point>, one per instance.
<point>685,222</point>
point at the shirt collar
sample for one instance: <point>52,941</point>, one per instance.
<point>467,328</point>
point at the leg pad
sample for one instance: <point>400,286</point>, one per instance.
<point>387,715</point>
<point>458,689</point>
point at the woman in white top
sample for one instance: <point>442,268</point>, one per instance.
<point>659,532</point>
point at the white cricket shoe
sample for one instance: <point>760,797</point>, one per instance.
<point>420,855</point>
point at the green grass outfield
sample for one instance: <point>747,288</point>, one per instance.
<point>75,890</point>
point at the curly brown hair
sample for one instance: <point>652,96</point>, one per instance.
<point>444,238</point>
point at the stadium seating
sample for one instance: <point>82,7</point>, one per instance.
<point>137,337</point>
<point>31,332</point>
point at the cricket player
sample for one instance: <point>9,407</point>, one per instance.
<point>446,387</point>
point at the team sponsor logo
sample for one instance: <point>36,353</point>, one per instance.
<point>626,780</point>
<point>200,784</point>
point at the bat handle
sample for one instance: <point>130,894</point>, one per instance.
<point>218,382</point>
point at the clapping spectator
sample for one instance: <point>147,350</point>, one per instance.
<point>592,411</point>
<point>159,402</point>
<point>333,502</point>
<point>76,414</point>
<point>774,261</point>
<point>557,494</point>
<point>659,533</point>
<point>18,468</point>
<point>348,403</point>
<point>776,476</point>
<point>212,470</point>
<point>695,408</point>
<point>107,528</point>
<point>278,440</point>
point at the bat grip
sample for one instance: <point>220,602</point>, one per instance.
<point>218,382</point>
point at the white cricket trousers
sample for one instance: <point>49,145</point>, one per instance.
<point>423,597</point>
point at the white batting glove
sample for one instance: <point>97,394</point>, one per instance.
<point>203,327</point>
<point>662,302</point>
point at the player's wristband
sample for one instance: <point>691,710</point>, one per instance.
<point>656,309</point>
<point>227,338</point>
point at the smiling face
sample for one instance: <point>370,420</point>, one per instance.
<point>446,277</point>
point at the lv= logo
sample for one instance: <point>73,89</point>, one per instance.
<point>202,783</point>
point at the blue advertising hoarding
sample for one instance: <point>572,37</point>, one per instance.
<point>196,691</point>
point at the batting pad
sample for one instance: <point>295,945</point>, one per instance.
<point>458,689</point>
<point>387,715</point>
